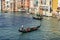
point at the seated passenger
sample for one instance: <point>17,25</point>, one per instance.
<point>28,29</point>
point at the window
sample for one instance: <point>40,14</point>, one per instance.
<point>45,8</point>
<point>7,5</point>
<point>43,2</point>
<point>36,3</point>
<point>7,2</point>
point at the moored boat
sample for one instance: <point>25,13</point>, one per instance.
<point>38,18</point>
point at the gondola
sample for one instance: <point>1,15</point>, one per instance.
<point>28,29</point>
<point>38,18</point>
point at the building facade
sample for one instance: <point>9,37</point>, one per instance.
<point>34,5</point>
<point>54,5</point>
<point>7,5</point>
<point>14,5</point>
<point>27,3</point>
<point>0,5</point>
<point>45,6</point>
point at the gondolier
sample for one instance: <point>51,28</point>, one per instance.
<point>22,27</point>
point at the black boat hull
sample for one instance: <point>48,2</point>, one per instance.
<point>37,18</point>
<point>31,29</point>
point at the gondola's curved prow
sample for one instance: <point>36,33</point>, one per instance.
<point>38,26</point>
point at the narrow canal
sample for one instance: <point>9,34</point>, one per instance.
<point>11,22</point>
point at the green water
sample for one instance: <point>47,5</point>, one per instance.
<point>10,23</point>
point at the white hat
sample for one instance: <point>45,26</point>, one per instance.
<point>22,26</point>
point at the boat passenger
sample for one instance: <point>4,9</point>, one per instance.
<point>28,29</point>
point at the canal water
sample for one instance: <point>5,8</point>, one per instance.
<point>11,22</point>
